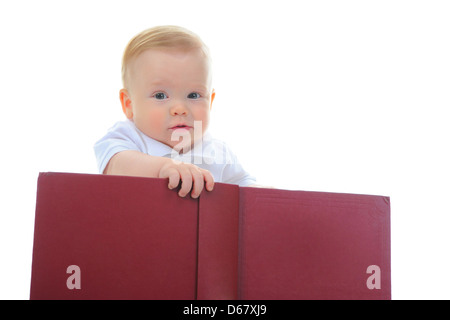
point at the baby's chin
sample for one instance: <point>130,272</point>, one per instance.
<point>184,145</point>
<point>180,140</point>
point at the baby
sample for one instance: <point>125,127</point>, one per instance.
<point>167,98</point>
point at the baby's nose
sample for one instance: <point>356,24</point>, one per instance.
<point>178,109</point>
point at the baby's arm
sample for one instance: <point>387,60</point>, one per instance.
<point>136,163</point>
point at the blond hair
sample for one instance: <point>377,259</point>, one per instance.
<point>160,37</point>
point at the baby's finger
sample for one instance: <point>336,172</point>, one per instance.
<point>174,179</point>
<point>173,175</point>
<point>186,182</point>
<point>209,180</point>
<point>198,182</point>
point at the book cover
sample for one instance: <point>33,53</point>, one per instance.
<point>117,237</point>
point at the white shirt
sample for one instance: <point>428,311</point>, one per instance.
<point>210,154</point>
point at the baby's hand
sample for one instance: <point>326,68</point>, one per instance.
<point>192,177</point>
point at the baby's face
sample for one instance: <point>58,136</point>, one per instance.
<point>169,89</point>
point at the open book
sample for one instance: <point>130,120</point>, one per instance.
<point>117,237</point>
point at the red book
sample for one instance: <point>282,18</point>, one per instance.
<point>117,237</point>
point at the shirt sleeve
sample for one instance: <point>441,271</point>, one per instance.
<point>235,173</point>
<point>119,138</point>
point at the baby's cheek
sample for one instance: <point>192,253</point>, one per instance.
<point>154,123</point>
<point>155,119</point>
<point>151,123</point>
<point>204,117</point>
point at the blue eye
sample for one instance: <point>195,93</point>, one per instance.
<point>160,96</point>
<point>194,95</point>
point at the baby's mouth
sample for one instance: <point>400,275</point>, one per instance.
<point>181,126</point>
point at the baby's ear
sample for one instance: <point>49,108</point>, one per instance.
<point>125,99</point>
<point>213,95</point>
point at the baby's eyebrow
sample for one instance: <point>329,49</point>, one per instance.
<point>158,82</point>
<point>200,88</point>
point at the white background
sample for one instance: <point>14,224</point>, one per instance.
<point>339,96</point>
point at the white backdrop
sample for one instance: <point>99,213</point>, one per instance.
<point>339,96</point>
